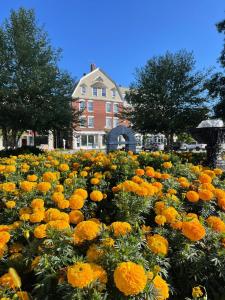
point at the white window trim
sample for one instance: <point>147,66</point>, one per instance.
<point>85,123</point>
<point>108,112</point>
<point>91,117</point>
<point>113,93</point>
<point>116,104</point>
<point>115,119</point>
<point>110,118</point>
<point>105,92</point>
<point>82,100</point>
<point>92,106</point>
<point>81,89</point>
<point>93,91</point>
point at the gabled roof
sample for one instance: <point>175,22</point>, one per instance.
<point>95,70</point>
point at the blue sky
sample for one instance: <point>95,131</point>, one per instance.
<point>120,35</point>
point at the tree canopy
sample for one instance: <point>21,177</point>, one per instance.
<point>34,93</point>
<point>216,86</point>
<point>167,95</point>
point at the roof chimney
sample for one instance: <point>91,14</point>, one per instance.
<point>93,67</point>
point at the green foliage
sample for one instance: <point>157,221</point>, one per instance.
<point>167,95</point>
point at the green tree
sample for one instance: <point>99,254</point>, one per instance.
<point>216,85</point>
<point>167,96</point>
<point>35,93</point>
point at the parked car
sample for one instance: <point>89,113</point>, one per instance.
<point>192,146</point>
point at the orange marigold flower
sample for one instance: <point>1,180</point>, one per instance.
<point>76,202</point>
<point>57,197</point>
<point>96,196</point>
<point>216,223</point>
<point>130,278</point>
<point>99,273</point>
<point>139,172</point>
<point>94,253</point>
<point>37,203</point>
<point>204,178</point>
<point>205,195</point>
<point>192,196</point>
<point>43,186</point>
<point>63,167</point>
<point>162,288</point>
<point>76,216</point>
<point>121,228</point>
<point>8,186</point>
<point>193,230</point>
<point>59,224</point>
<point>80,275</point>
<point>63,204</point>
<point>27,186</point>
<point>40,231</point>
<point>86,231</point>
<point>157,244</point>
<point>221,203</point>
<point>160,220</point>
<point>170,214</point>
<point>32,178</point>
<point>95,181</point>
<point>81,192</point>
<point>4,237</point>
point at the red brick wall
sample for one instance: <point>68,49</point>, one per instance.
<point>99,113</point>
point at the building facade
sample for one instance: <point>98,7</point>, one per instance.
<point>101,101</point>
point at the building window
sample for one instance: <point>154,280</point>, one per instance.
<point>116,108</point>
<point>83,121</point>
<point>108,123</point>
<point>90,122</point>
<point>95,91</point>
<point>115,122</point>
<point>90,106</point>
<point>114,93</point>
<point>108,107</point>
<point>83,89</point>
<point>84,140</point>
<point>103,92</point>
<point>90,140</point>
<point>82,105</point>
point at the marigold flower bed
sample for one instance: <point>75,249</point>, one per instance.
<point>119,226</point>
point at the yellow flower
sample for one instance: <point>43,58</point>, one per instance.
<point>52,214</point>
<point>94,253</point>
<point>37,203</point>
<point>27,186</point>
<point>81,192</point>
<point>121,228</point>
<point>15,277</point>
<point>57,197</point>
<point>157,244</point>
<point>76,216</point>
<point>86,231</point>
<point>99,273</point>
<point>160,219</point>
<point>167,165</point>
<point>44,186</point>
<point>37,217</point>
<point>83,173</point>
<point>49,176</point>
<point>80,275</point>
<point>6,280</point>
<point>10,204</point>
<point>40,231</point>
<point>63,167</point>
<point>32,177</point>
<point>76,202</point>
<point>170,214</point>
<point>95,181</point>
<point>96,196</point>
<point>8,187</point>
<point>162,288</point>
<point>197,292</point>
<point>59,224</point>
<point>130,278</point>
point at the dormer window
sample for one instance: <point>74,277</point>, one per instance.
<point>103,92</point>
<point>83,89</point>
<point>94,91</point>
<point>113,93</point>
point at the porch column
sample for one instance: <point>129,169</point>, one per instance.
<point>50,140</point>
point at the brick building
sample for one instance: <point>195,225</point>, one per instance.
<point>101,101</point>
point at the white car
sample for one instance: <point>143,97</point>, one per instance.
<point>193,146</point>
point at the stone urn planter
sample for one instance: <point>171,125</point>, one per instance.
<point>212,133</point>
